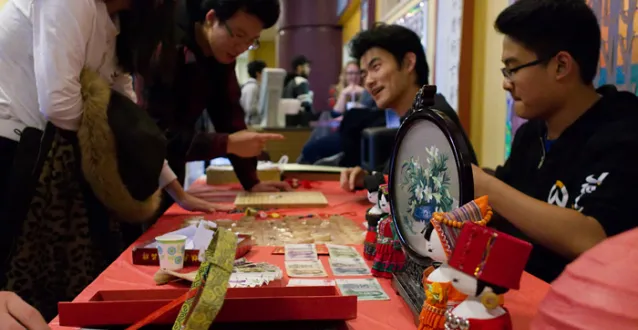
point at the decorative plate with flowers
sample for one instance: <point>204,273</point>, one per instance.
<point>427,185</point>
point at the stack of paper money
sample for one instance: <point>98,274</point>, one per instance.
<point>346,261</point>
<point>302,261</point>
<point>253,274</point>
<point>364,289</point>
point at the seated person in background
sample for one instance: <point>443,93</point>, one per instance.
<point>325,141</point>
<point>393,68</point>
<point>570,180</point>
<point>250,93</point>
<point>349,90</point>
<point>296,85</point>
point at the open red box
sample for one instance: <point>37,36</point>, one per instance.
<point>266,304</point>
<point>147,256</point>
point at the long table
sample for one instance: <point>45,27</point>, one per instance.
<point>379,315</point>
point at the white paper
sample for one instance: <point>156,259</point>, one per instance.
<point>310,282</point>
<point>202,238</point>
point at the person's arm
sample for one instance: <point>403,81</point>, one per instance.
<point>166,176</point>
<point>564,231</point>
<point>340,107</point>
<point>302,92</point>
<point>123,83</point>
<point>601,210</point>
<point>226,122</point>
<point>61,30</point>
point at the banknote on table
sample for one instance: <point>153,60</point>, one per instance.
<point>307,268</point>
<point>364,289</point>
<point>253,274</point>
<point>300,252</point>
<point>310,282</point>
<point>349,267</point>
<point>342,251</point>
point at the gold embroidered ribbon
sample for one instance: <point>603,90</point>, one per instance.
<point>211,283</point>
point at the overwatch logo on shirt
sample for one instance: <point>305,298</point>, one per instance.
<point>558,195</point>
<point>590,185</point>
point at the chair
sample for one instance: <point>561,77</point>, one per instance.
<point>377,144</point>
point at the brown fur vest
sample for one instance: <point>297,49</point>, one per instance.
<point>99,154</point>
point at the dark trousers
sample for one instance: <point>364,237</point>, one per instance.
<point>7,154</point>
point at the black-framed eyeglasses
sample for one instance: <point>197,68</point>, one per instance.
<point>509,72</point>
<point>254,44</point>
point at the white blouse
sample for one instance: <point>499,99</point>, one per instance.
<point>54,40</point>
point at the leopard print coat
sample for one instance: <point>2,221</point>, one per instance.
<point>70,234</point>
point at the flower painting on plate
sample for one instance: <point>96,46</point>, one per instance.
<point>428,185</point>
<point>425,180</point>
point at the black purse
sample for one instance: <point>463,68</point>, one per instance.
<point>122,148</point>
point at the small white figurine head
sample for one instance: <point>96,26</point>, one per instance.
<point>373,197</point>
<point>435,250</point>
<point>371,184</point>
<point>464,283</point>
<point>384,198</point>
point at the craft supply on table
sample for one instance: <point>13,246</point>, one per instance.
<point>171,249</point>
<point>300,230</point>
<point>313,268</point>
<point>321,249</point>
<point>349,267</point>
<point>310,282</point>
<point>342,251</point>
<point>245,274</point>
<point>300,252</point>
<point>346,261</point>
<point>198,234</point>
<point>211,283</point>
<point>364,289</point>
<point>284,199</point>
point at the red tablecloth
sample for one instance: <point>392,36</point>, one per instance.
<point>378,315</point>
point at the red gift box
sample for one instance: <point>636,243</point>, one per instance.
<point>147,256</point>
<point>265,304</point>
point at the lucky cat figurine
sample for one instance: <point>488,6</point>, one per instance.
<point>373,214</point>
<point>485,263</point>
<point>441,235</point>
<point>389,257</point>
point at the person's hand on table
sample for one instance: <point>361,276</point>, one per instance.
<point>191,203</point>
<point>351,178</point>
<point>249,144</point>
<point>17,314</point>
<point>271,186</point>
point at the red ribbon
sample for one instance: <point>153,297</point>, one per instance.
<point>165,309</point>
<point>306,184</point>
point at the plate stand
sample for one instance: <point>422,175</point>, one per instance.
<point>409,285</point>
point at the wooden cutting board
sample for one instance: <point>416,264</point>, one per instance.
<point>284,199</point>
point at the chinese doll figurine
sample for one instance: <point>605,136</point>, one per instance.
<point>389,257</point>
<point>441,236</point>
<point>598,290</point>
<point>485,263</point>
<point>373,215</point>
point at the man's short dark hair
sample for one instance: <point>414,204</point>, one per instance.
<point>299,60</point>
<point>398,41</point>
<point>547,27</point>
<point>266,10</point>
<point>256,67</point>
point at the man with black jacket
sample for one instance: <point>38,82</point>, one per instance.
<point>393,69</point>
<point>570,181</point>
